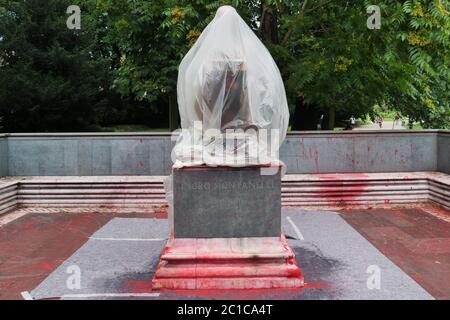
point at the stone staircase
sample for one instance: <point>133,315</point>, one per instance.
<point>327,191</point>
<point>227,263</point>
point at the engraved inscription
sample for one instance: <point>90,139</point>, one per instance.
<point>228,185</point>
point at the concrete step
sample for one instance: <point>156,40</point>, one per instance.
<point>8,206</point>
<point>88,202</point>
<point>227,268</point>
<point>226,249</point>
<point>307,190</point>
<point>8,197</point>
<point>227,283</point>
<point>224,263</point>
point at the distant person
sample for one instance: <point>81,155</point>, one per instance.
<point>319,125</point>
<point>348,126</point>
<point>396,120</point>
<point>379,121</point>
<point>352,122</point>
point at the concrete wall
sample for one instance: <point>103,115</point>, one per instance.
<point>360,151</point>
<point>89,154</point>
<point>303,152</point>
<point>3,155</point>
<point>443,142</point>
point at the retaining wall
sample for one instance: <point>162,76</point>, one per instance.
<point>3,155</point>
<point>443,145</point>
<point>100,154</point>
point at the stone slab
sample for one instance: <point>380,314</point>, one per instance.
<point>122,253</point>
<point>226,202</point>
<point>339,263</point>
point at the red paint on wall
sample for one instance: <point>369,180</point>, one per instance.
<point>304,157</point>
<point>316,160</point>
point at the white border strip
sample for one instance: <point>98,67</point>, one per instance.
<point>26,295</point>
<point>110,295</point>
<point>296,229</point>
<point>127,239</point>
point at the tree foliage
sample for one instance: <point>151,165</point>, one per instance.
<point>123,63</point>
<point>51,78</point>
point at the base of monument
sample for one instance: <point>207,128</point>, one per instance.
<point>228,263</point>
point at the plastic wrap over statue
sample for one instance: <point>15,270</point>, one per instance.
<point>231,98</point>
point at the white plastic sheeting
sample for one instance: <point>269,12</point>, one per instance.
<point>231,98</point>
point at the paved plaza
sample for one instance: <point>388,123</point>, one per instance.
<point>352,254</point>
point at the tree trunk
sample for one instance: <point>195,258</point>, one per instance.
<point>269,24</point>
<point>331,118</point>
<point>174,117</point>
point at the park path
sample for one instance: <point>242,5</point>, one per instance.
<point>386,126</point>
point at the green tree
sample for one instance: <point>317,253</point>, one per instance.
<point>331,61</point>
<point>51,78</point>
<point>337,64</point>
<point>58,79</point>
<point>419,51</point>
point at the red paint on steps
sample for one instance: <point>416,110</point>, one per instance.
<point>253,263</point>
<point>342,184</point>
<point>138,286</point>
<point>249,294</point>
<point>229,269</point>
<point>239,294</point>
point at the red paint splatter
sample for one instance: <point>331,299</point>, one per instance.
<point>316,160</point>
<point>317,285</point>
<point>138,286</point>
<point>342,193</point>
<point>47,266</point>
<point>248,294</point>
<point>303,148</point>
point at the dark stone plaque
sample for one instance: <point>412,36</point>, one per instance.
<point>225,202</point>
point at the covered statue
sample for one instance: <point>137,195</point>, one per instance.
<point>231,98</point>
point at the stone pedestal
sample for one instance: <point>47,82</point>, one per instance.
<point>226,202</point>
<point>226,232</point>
